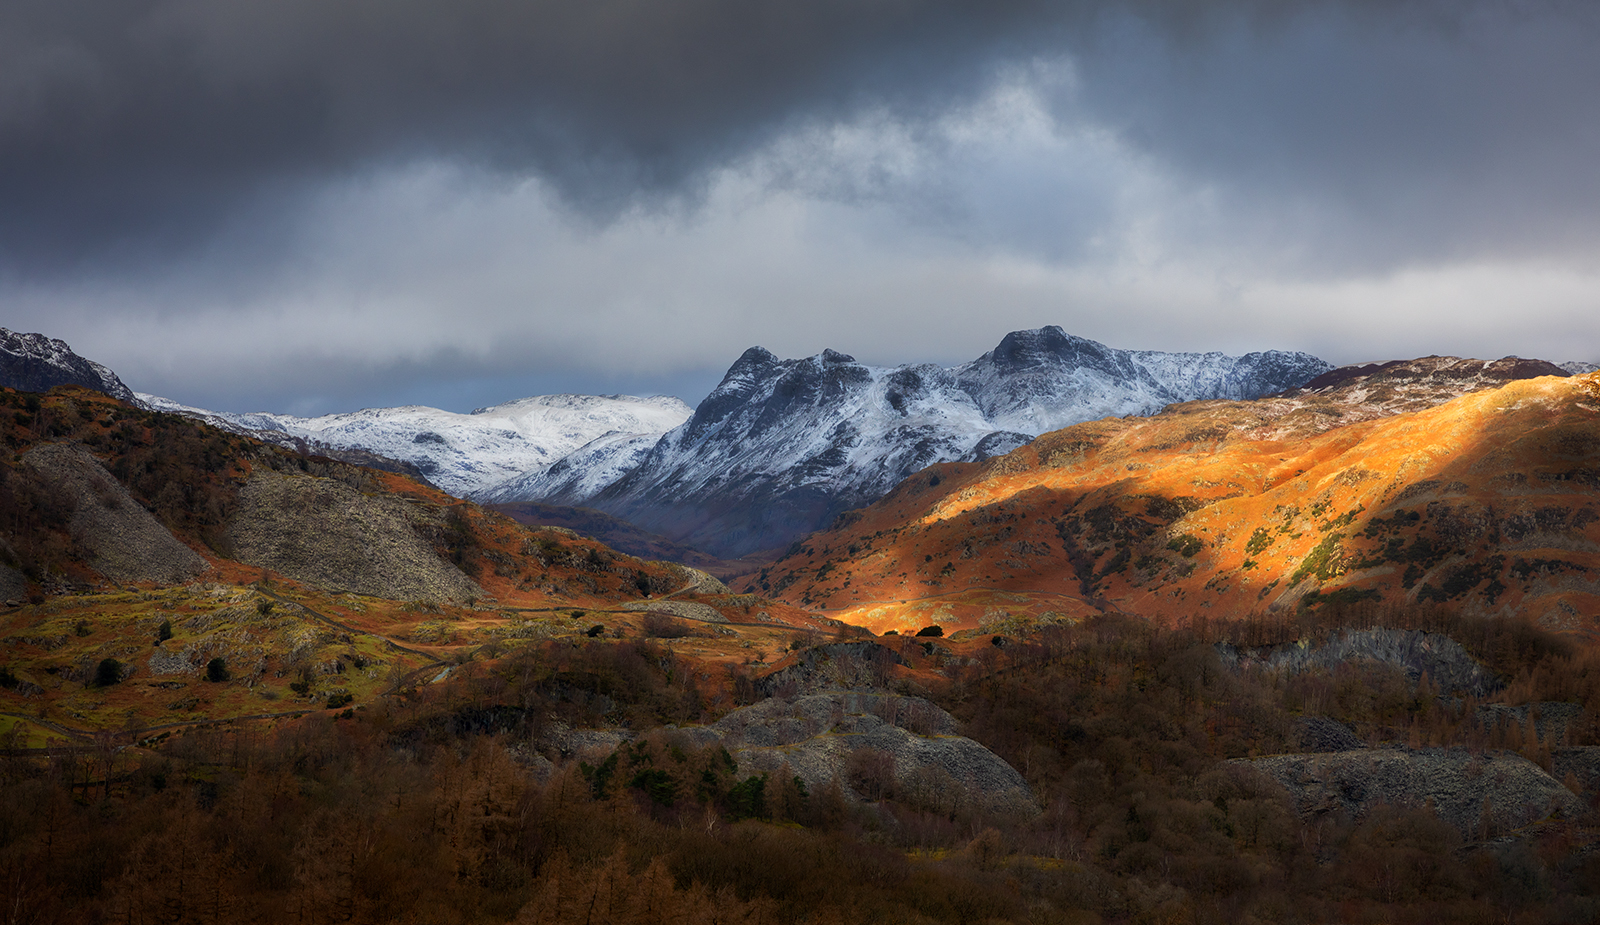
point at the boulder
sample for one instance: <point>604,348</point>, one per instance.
<point>820,737</point>
<point>1417,653</point>
<point>1465,789</point>
<point>833,666</point>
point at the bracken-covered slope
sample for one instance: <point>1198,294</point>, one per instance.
<point>1489,502</point>
<point>782,446</point>
<point>136,547</point>
<point>101,492</point>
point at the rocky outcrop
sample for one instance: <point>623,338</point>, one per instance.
<point>36,363</point>
<point>1550,719</point>
<point>1417,653</point>
<point>875,745</point>
<point>1321,734</point>
<point>1472,791</point>
<point>125,542</point>
<point>695,581</point>
<point>1410,385</point>
<point>688,610</point>
<point>326,533</point>
<point>833,666</point>
<point>13,584</point>
<point>834,735</point>
<point>1577,764</point>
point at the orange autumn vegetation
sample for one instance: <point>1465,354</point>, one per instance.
<point>1485,503</point>
<point>423,807</point>
<point>293,645</point>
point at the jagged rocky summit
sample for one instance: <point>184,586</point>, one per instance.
<point>781,447</point>
<point>36,363</point>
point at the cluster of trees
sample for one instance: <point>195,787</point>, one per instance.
<point>1121,727</point>
<point>433,806</point>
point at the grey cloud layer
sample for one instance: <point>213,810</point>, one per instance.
<point>122,117</point>
<point>129,124</point>
<point>339,199</point>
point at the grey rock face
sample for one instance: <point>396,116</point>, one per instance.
<point>1550,719</point>
<point>13,584</point>
<point>35,363</point>
<point>1033,375</point>
<point>328,534</point>
<point>833,666</point>
<point>1440,657</point>
<point>127,543</point>
<point>1449,375</point>
<point>1463,788</point>
<point>816,737</point>
<point>688,610</point>
<point>1321,734</point>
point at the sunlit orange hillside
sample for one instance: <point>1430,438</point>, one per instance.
<point>1489,502</point>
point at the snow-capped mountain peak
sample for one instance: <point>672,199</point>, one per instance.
<point>36,363</point>
<point>781,446</point>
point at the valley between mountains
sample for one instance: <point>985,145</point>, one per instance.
<point>1068,633</point>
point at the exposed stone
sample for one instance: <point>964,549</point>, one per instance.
<point>815,737</point>
<point>1321,734</point>
<point>1582,762</point>
<point>1464,788</point>
<point>126,542</point>
<point>583,744</point>
<point>326,533</point>
<point>1550,718</point>
<point>1444,661</point>
<point>696,581</point>
<point>13,584</point>
<point>688,610</point>
<point>832,666</point>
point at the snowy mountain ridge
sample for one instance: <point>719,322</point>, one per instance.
<point>780,447</point>
<point>466,455</point>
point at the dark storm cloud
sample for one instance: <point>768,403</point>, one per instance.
<point>1372,138</point>
<point>322,202</point>
<point>129,126</point>
<point>150,119</point>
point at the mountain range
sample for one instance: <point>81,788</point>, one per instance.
<point>1437,481</point>
<point>467,455</point>
<point>780,447</point>
<point>1177,646</point>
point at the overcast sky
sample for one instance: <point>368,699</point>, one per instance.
<point>318,205</point>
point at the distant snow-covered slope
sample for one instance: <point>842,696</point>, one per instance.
<point>36,363</point>
<point>468,455</point>
<point>780,447</point>
<point>580,475</point>
<point>1046,379</point>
